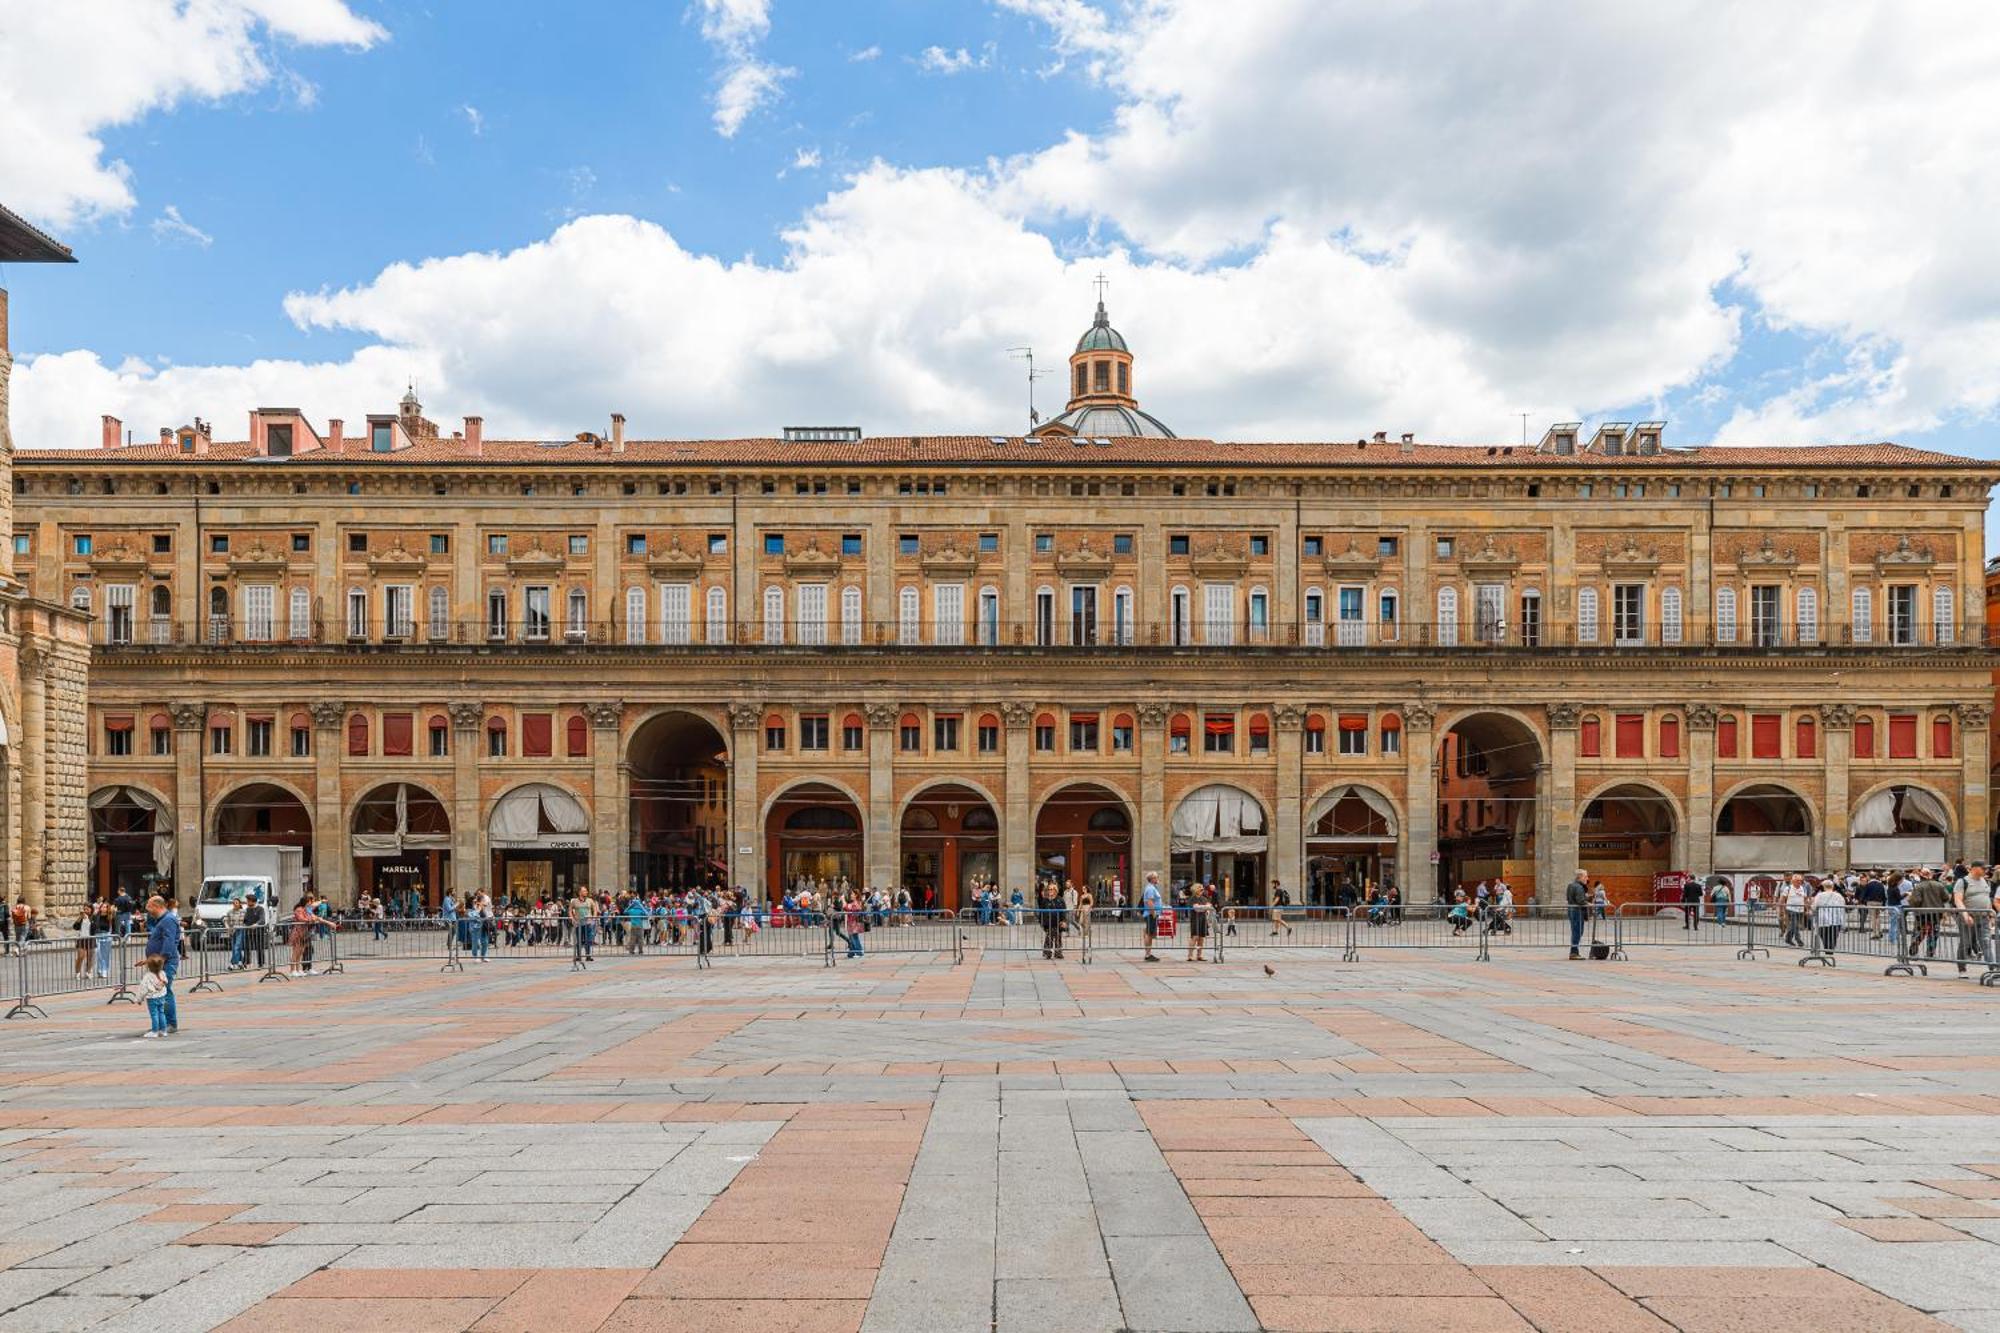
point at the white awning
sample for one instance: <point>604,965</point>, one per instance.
<point>1876,816</point>
<point>1373,799</point>
<point>1219,818</point>
<point>1919,804</point>
<point>163,824</point>
<point>400,839</point>
<point>538,815</point>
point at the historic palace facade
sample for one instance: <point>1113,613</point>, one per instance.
<point>436,659</point>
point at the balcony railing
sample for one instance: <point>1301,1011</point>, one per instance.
<point>1336,637</point>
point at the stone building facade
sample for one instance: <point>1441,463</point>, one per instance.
<point>445,660</point>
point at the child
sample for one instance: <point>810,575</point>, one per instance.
<point>153,987</point>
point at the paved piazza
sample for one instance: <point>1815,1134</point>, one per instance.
<point>1415,1142</point>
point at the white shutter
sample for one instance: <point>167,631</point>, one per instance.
<point>1218,609</point>
<point>850,615</point>
<point>774,615</point>
<point>716,616</point>
<point>1670,615</point>
<point>1586,615</point>
<point>1725,615</point>
<point>1864,615</point>
<point>1942,615</point>
<point>949,613</point>
<point>676,613</point>
<point>1447,627</point>
<point>1807,606</point>
<point>909,617</point>
<point>299,615</point>
<point>812,613</point>
<point>635,614</point>
<point>440,614</point>
<point>258,609</point>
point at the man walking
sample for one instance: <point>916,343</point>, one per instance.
<point>163,937</point>
<point>1794,907</point>
<point>1929,901</point>
<point>1577,899</point>
<point>1972,896</point>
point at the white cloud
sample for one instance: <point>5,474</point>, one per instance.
<point>865,54</point>
<point>170,226</point>
<point>746,82</point>
<point>937,60</point>
<point>69,72</point>
<point>806,159</point>
<point>475,120</point>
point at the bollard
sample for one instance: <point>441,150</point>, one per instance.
<point>25,1006</point>
<point>123,990</point>
<point>205,981</point>
<point>271,969</point>
<point>1751,949</point>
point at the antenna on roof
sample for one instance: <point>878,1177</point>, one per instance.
<point>1524,430</point>
<point>1028,354</point>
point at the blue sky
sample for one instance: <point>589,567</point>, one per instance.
<point>1320,220</point>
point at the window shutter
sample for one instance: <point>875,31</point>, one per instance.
<point>537,735</point>
<point>1864,615</point>
<point>1670,615</point>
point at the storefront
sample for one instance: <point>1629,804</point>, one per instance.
<point>1083,834</point>
<point>1220,837</point>
<point>1350,843</point>
<point>950,846</point>
<point>133,838</point>
<point>401,846</point>
<point>539,836</point>
<point>812,834</point>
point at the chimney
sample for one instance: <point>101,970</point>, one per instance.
<point>167,436</point>
<point>475,436</point>
<point>336,437</point>
<point>1381,437</point>
<point>114,432</point>
<point>1409,443</point>
<point>617,432</point>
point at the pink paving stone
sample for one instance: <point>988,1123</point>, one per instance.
<point>197,1212</point>
<point>1569,1300</point>
<point>1388,1314</point>
<point>1358,1279</point>
<point>1726,1314</point>
<point>236,1233</point>
<point>736,1316</point>
<point>364,1314</point>
<point>565,1298</point>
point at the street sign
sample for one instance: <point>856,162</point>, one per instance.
<point>1437,858</point>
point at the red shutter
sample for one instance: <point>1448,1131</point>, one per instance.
<point>1354,722</point>
<point>161,722</point>
<point>1940,737</point>
<point>1083,717</point>
<point>357,734</point>
<point>1725,736</point>
<point>1180,725</point>
<point>300,722</point>
<point>854,720</point>
<point>1902,735</point>
<point>1631,735</point>
<point>1670,738</point>
<point>1864,738</point>
<point>1260,725</point>
<point>1122,720</point>
<point>1767,736</point>
<point>397,729</point>
<point>1805,741</point>
<point>1220,724</point>
<point>576,737</point>
<point>537,740</point>
<point>118,722</point>
<point>1590,738</point>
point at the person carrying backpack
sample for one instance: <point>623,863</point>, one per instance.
<point>1576,900</point>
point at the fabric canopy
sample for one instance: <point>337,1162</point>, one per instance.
<point>163,824</point>
<point>1919,804</point>
<point>537,815</point>
<point>1373,799</point>
<point>399,839</point>
<point>1219,818</point>
<point>1876,816</point>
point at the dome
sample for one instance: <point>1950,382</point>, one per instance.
<point>1110,419</point>
<point>1100,336</point>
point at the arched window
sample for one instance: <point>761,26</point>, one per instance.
<point>1805,738</point>
<point>1447,627</point>
<point>496,738</point>
<point>576,736</point>
<point>357,613</point>
<point>1121,616</point>
<point>1808,610</point>
<point>1260,614</point>
<point>774,614</point>
<point>1941,736</point>
<point>1670,737</point>
<point>1388,611</point>
<point>1586,615</point>
<point>715,617</point>
<point>163,600</point>
<point>577,620</point>
<point>1670,615</point>
<point>1590,737</point>
<point>1179,733</point>
<point>988,628</point>
<point>909,616</point>
<point>79,599</point>
<point>1725,615</point>
<point>439,614</point>
<point>850,615</point>
<point>298,611</point>
<point>357,733</point>
<point>635,615</point>
<point>1864,614</point>
<point>1182,630</point>
<point>1943,616</point>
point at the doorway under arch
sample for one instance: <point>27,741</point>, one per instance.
<point>1487,789</point>
<point>950,845</point>
<point>1351,835</point>
<point>1626,837</point>
<point>1083,832</point>
<point>132,838</point>
<point>679,807</point>
<point>812,832</point>
<point>1221,835</point>
<point>1763,826</point>
<point>263,814</point>
<point>400,839</point>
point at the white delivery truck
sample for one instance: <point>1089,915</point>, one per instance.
<point>277,875</point>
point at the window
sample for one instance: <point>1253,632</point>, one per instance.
<point>440,544</point>
<point>220,739</point>
<point>909,734</point>
<point>357,614</point>
<point>1766,736</point>
<point>1586,615</point>
<point>1447,626</point>
<point>440,738</point>
<point>1805,604</point>
<point>398,610</point>
<point>850,543</point>
<point>357,734</point>
<point>496,614</point>
<point>852,733</point>
<point>163,737</point>
<point>1121,543</point>
<point>1489,612</point>
<point>813,731</point>
<point>1671,625</point>
<point>812,613</point>
<point>537,735</point>
<point>496,738</point>
<point>1045,542</point>
<point>1590,737</point>
<point>1767,615</point>
<point>576,616</point>
<point>1353,729</point>
<point>24,544</point>
<point>1121,734</point>
<point>774,614</point>
<point>909,616</point>
<point>635,543</point>
<point>1670,738</point>
<point>580,544</point>
<point>906,543</point>
<point>1863,614</point>
<point>850,615</point>
<point>989,542</point>
<point>1177,544</point>
<point>1045,617</point>
<point>989,735</point>
<point>496,543</point>
<point>1218,613</point>
<point>1386,624</point>
<point>1385,546</point>
<point>718,543</point>
<point>948,611</point>
<point>1314,614</point>
<point>1864,737</point>
<point>1725,615</point>
<point>1447,547</point>
<point>218,544</point>
<point>1902,735</point>
<point>1082,615</point>
<point>716,615</point>
<point>380,437</point>
<point>117,736</point>
<point>535,612</point>
<point>1628,613</point>
<point>1903,614</point>
<point>302,745</point>
<point>1260,615</point>
<point>774,732</point>
<point>1725,736</point>
<point>1177,734</point>
<point>1392,735</point>
<point>1805,738</point>
<point>1260,734</point>
<point>774,543</point>
<point>438,626</point>
<point>1181,615</point>
<point>119,619</point>
<point>1045,733</point>
<point>1121,617</point>
<point>1941,737</point>
<point>1629,735</point>
<point>1943,616</point>
<point>1083,733</point>
<point>1218,733</point>
<point>1314,547</point>
<point>398,733</point>
<point>944,731</point>
<point>1315,741</point>
<point>1260,544</point>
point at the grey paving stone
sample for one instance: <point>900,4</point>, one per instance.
<point>65,1313</point>
<point>933,1286</point>
<point>223,1292</point>
<point>19,1286</point>
<point>1176,1284</point>
<point>1075,1305</point>
<point>154,1272</point>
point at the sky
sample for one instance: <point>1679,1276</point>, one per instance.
<point>1767,223</point>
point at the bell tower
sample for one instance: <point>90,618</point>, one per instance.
<point>1100,370</point>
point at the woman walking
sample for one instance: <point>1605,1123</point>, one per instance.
<point>302,923</point>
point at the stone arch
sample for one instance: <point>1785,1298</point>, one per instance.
<point>813,780</point>
<point>970,784</point>
<point>943,855</point>
<point>1641,869</point>
<point>1339,858</point>
<point>1125,797</point>
<point>1944,801</point>
<point>828,854</point>
<point>1780,850</point>
<point>1220,846</point>
<point>223,797</point>
<point>678,797</point>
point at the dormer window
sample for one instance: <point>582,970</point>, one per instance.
<point>278,440</point>
<point>380,437</point>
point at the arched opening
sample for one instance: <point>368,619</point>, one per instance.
<point>1350,843</point>
<point>400,838</point>
<point>1626,839</point>
<point>1083,833</point>
<point>1221,836</point>
<point>1486,791</point>
<point>1898,826</point>
<point>1763,827</point>
<point>539,836</point>
<point>679,807</point>
<point>263,814</point>
<point>812,833</point>
<point>132,837</point>
<point>951,846</point>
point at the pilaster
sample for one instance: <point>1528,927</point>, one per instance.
<point>1698,836</point>
<point>610,838</point>
<point>745,827</point>
<point>1287,857</point>
<point>1976,802</point>
<point>1556,850</point>
<point>333,861</point>
<point>1153,845</point>
<point>1418,843</point>
<point>880,855</point>
<point>190,812</point>
<point>1017,819</point>
<point>32,747</point>
<point>1836,732</point>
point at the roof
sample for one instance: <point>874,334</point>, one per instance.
<point>1001,451</point>
<point>1112,419</point>
<point>1100,336</point>
<point>21,242</point>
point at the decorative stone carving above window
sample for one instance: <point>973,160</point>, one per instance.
<point>257,558</point>
<point>675,563</point>
<point>1905,557</point>
<point>535,559</point>
<point>1084,562</point>
<point>1350,563</point>
<point>1490,559</point>
<point>809,558</point>
<point>396,559</point>
<point>1631,559</point>
<point>118,557</point>
<point>948,560</point>
<point>1218,557</point>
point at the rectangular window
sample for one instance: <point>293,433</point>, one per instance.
<point>1082,615</point>
<point>989,542</point>
<point>1315,740</point>
<point>813,728</point>
<point>1670,738</point>
<point>1531,619</point>
<point>440,544</point>
<point>399,610</point>
<point>1902,613</point>
<point>906,543</point>
<point>1121,543</point>
<point>635,543</point>
<point>1353,733</point>
<point>1083,733</point>
<point>1489,612</point>
<point>537,735</point>
<point>1447,547</point>
<point>1392,739</point>
<point>1121,737</point>
<point>1767,735</point>
<point>948,606</point>
<point>440,739</point>
<point>1045,542</point>
<point>989,738</point>
<point>944,731</point>
<point>1589,738</point>
<point>579,544</point>
<point>1902,735</point>
<point>398,733</point>
<point>496,543</point>
<point>1045,618</point>
<point>1218,733</point>
<point>1260,544</point>
<point>1385,546</point>
<point>220,740</point>
<point>676,612</point>
<point>718,543</point>
<point>496,740</point>
<point>257,737</point>
<point>812,615</point>
<point>1177,544</point>
<point>1045,736</point>
<point>1218,611</point>
<point>852,737</point>
<point>1767,615</point>
<point>1628,613</point>
<point>118,737</point>
<point>1313,547</point>
<point>1260,615</point>
<point>163,741</point>
<point>535,613</point>
<point>774,543</point>
<point>909,737</point>
<point>850,543</point>
<point>302,745</point>
<point>774,735</point>
<point>1630,735</point>
<point>379,437</point>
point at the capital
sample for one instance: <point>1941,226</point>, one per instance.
<point>465,716</point>
<point>1017,714</point>
<point>1419,716</point>
<point>1975,715</point>
<point>880,715</point>
<point>604,717</point>
<point>1836,717</point>
<point>1153,715</point>
<point>188,717</point>
<point>1564,717</point>
<point>1289,717</point>
<point>745,717</point>
<point>1700,717</point>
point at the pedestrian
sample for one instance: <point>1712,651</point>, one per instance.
<point>1149,912</point>
<point>153,989</point>
<point>1930,900</point>
<point>1280,900</point>
<point>1972,896</point>
<point>1829,908</point>
<point>256,928</point>
<point>1691,896</point>
<point>1201,906</point>
<point>1048,908</point>
<point>1577,899</point>
<point>1718,900</point>
<point>163,940</point>
<point>300,937</point>
<point>103,922</point>
<point>856,921</point>
<point>86,952</point>
<point>1793,904</point>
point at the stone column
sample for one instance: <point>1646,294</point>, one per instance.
<point>468,842</point>
<point>1287,857</point>
<point>1555,792</point>
<point>746,869</point>
<point>1836,738</point>
<point>1017,817</point>
<point>1698,837</point>
<point>32,745</point>
<point>610,835</point>
<point>881,859</point>
<point>1154,847</point>
<point>333,859</point>
<point>1420,822</point>
<point>1976,802</point>
<point>190,811</point>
